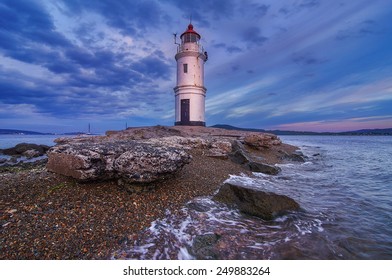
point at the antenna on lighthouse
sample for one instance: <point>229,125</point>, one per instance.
<point>175,39</point>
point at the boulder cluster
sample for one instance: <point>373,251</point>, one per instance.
<point>23,151</point>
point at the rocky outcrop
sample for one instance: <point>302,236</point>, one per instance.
<point>26,149</point>
<point>127,161</point>
<point>241,156</point>
<point>145,154</point>
<point>261,140</point>
<point>266,205</point>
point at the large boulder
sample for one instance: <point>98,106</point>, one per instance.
<point>266,205</point>
<point>128,161</point>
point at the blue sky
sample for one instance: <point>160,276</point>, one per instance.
<point>278,64</point>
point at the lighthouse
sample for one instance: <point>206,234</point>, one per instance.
<point>190,92</point>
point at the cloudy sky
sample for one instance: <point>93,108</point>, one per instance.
<point>321,65</point>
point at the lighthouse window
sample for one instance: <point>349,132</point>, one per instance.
<point>190,38</point>
<point>185,68</point>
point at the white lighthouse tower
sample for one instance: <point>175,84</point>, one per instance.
<point>190,92</point>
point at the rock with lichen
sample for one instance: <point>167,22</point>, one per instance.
<point>261,140</point>
<point>128,161</point>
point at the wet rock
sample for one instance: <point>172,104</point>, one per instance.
<point>129,161</point>
<point>297,156</point>
<point>135,188</point>
<point>13,160</point>
<point>3,160</point>
<point>203,247</point>
<point>263,168</point>
<point>262,204</point>
<point>198,207</point>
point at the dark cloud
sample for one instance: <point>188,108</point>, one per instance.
<point>235,68</point>
<point>297,7</point>
<point>252,36</point>
<point>365,28</point>
<point>153,66</point>
<point>230,49</point>
<point>253,10</point>
<point>132,17</point>
<point>203,12</point>
<point>309,3</point>
<point>305,58</point>
<point>89,75</point>
<point>25,22</point>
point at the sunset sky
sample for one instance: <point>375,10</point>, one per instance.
<point>320,65</point>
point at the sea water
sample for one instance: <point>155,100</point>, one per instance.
<point>345,192</point>
<point>10,140</point>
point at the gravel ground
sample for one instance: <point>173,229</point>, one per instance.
<point>48,216</point>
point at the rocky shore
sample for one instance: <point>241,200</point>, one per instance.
<point>96,193</point>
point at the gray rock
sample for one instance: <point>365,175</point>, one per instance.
<point>203,247</point>
<point>13,160</point>
<point>21,148</point>
<point>263,168</point>
<point>128,161</point>
<point>238,153</point>
<point>240,156</point>
<point>31,154</point>
<point>297,156</point>
<point>266,205</point>
<point>198,207</point>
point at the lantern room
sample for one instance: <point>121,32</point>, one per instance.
<point>190,35</point>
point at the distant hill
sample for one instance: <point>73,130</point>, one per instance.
<point>386,131</point>
<point>15,131</point>
<point>230,127</point>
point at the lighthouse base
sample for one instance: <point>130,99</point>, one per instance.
<point>190,123</point>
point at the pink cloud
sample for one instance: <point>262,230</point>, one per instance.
<point>339,125</point>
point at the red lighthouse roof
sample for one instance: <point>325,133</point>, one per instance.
<point>190,30</point>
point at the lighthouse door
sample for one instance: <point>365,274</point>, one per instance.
<point>185,111</point>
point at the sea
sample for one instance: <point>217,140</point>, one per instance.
<point>344,188</point>
<point>10,140</point>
